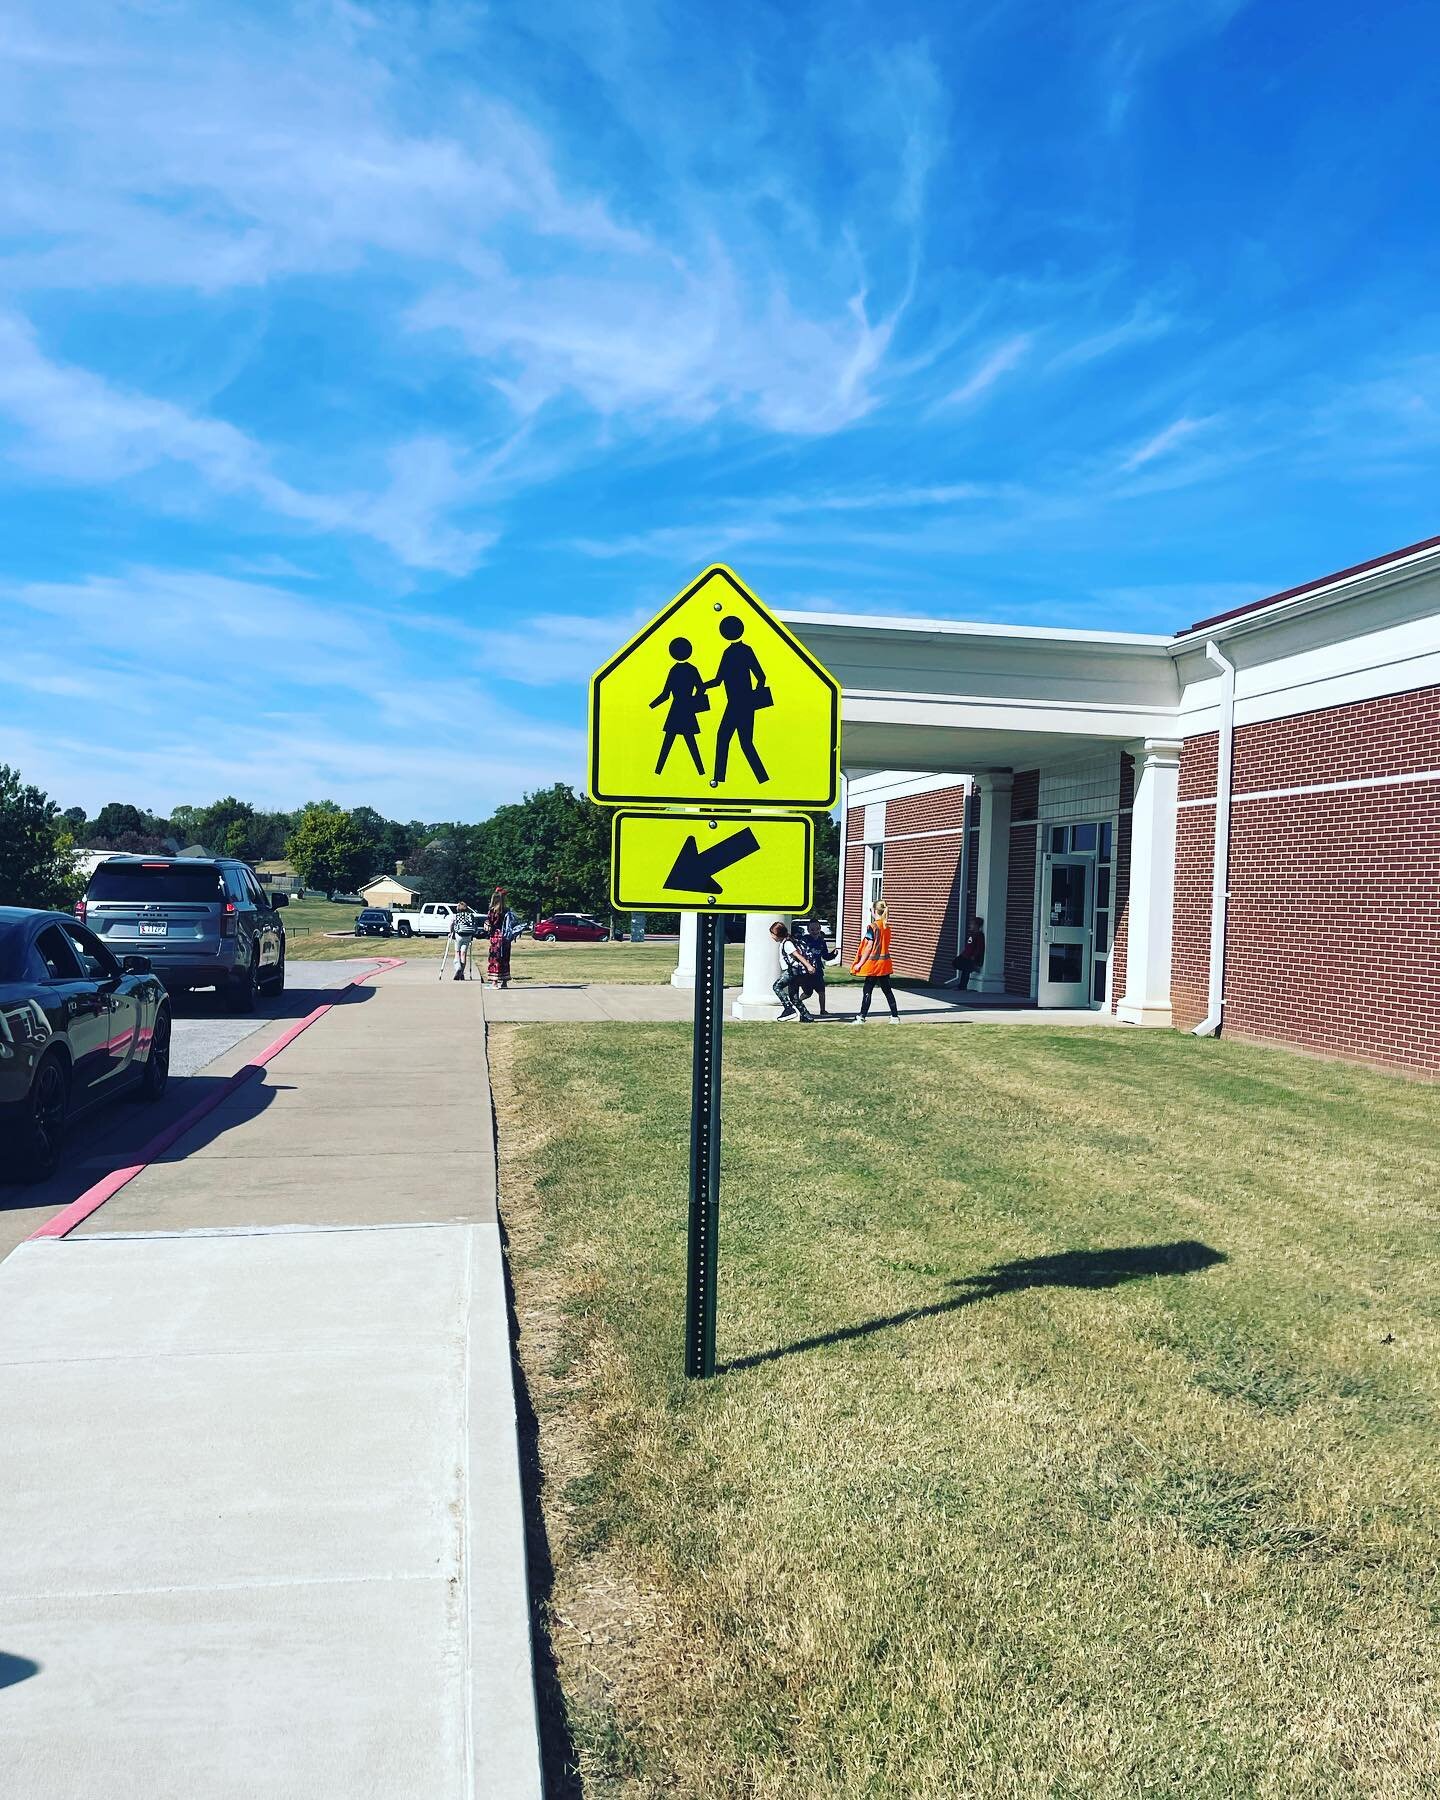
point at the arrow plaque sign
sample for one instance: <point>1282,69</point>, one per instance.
<point>683,862</point>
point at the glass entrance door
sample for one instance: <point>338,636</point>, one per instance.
<point>1067,908</point>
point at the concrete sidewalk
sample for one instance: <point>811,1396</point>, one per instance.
<point>536,1004</point>
<point>268,1539</point>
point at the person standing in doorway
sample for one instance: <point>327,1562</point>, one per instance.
<point>795,968</point>
<point>971,957</point>
<point>686,693</point>
<point>874,965</point>
<point>503,928</point>
<point>746,694</point>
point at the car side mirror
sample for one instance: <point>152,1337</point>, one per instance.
<point>135,965</point>
<point>279,900</point>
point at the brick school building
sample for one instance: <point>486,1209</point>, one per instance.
<point>1233,828</point>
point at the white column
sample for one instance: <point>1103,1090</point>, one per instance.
<point>1151,907</point>
<point>684,975</point>
<point>993,872</point>
<point>756,999</point>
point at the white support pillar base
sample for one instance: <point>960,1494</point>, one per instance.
<point>992,884</point>
<point>684,975</point>
<point>1151,907</point>
<point>756,999</point>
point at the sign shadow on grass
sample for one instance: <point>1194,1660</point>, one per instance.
<point>1065,1268</point>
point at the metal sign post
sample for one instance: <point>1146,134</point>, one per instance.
<point>705,1147</point>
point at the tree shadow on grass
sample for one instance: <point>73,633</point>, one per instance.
<point>1066,1268</point>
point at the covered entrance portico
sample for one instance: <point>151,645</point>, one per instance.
<point>1065,744</point>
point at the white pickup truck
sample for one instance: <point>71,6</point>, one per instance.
<point>430,920</point>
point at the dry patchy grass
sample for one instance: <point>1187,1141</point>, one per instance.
<point>1078,1431</point>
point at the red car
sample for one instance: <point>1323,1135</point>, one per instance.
<point>570,928</point>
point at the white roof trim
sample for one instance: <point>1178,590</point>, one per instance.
<point>1038,634</point>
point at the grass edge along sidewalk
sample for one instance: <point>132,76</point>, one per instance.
<point>1078,1431</point>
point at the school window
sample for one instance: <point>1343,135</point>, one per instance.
<point>875,886</point>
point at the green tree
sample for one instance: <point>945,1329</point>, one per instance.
<point>116,819</point>
<point>37,864</point>
<point>551,851</point>
<point>827,866</point>
<point>327,850</point>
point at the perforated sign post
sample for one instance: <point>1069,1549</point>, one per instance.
<point>719,728</point>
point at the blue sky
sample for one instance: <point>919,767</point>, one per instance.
<point>368,371</point>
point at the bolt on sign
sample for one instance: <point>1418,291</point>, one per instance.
<point>715,704</point>
<point>676,862</point>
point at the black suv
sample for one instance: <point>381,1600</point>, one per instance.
<point>202,924</point>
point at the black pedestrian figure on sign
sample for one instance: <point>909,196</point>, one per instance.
<point>686,693</point>
<point>746,694</point>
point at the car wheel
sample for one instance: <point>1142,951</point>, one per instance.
<point>156,1078</point>
<point>545,937</point>
<point>275,981</point>
<point>244,986</point>
<point>40,1134</point>
<point>405,928</point>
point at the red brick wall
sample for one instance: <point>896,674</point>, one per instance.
<point>1398,734</point>
<point>938,811</point>
<point>1333,939</point>
<point>1020,910</point>
<point>1190,954</point>
<point>922,882</point>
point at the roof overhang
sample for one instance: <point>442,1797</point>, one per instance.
<point>939,696</point>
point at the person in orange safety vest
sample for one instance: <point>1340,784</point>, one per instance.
<point>873,964</point>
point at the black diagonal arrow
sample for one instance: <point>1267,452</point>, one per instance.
<point>695,869</point>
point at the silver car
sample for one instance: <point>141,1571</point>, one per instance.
<point>201,923</point>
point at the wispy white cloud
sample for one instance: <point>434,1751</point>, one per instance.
<point>995,363</point>
<point>75,425</point>
<point>1163,442</point>
<point>359,718</point>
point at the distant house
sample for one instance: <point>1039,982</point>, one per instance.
<point>279,877</point>
<point>388,890</point>
<point>88,861</point>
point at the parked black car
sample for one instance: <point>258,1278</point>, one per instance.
<point>76,1027</point>
<point>202,923</point>
<point>373,922</point>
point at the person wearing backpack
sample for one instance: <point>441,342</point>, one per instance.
<point>795,970</point>
<point>462,933</point>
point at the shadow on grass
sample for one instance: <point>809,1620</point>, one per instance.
<point>1066,1268</point>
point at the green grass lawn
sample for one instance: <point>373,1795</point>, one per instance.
<point>307,923</point>
<point>1078,1431</point>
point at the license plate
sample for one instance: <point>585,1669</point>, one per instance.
<point>153,930</point>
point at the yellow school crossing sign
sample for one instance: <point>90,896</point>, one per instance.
<point>715,704</point>
<point>679,862</point>
<point>716,713</point>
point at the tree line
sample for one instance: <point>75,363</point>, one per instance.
<point>550,850</point>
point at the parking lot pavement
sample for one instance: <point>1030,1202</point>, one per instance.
<point>270,1539</point>
<point>209,1045</point>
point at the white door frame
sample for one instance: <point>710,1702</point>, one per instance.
<point>1066,993</point>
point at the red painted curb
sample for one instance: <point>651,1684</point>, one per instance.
<point>108,1186</point>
